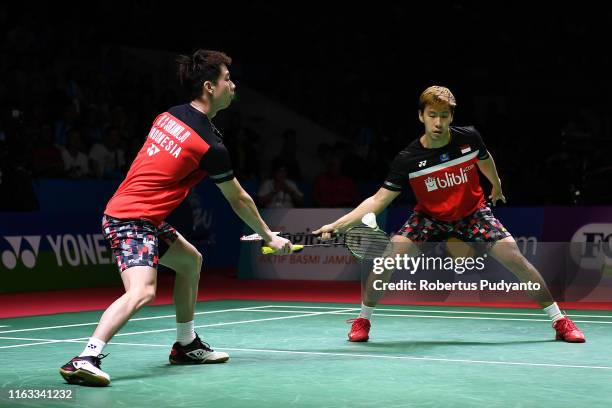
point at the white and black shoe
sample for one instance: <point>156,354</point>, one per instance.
<point>196,352</point>
<point>85,371</point>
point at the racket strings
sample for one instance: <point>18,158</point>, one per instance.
<point>366,242</point>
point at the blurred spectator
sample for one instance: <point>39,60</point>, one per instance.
<point>76,163</point>
<point>288,154</point>
<point>108,158</point>
<point>46,157</point>
<point>241,144</point>
<point>279,191</point>
<point>333,189</point>
<point>68,121</point>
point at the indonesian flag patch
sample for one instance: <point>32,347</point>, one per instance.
<point>465,149</point>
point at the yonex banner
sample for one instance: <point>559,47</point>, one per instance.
<point>42,252</point>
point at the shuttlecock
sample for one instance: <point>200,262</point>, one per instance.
<point>370,220</point>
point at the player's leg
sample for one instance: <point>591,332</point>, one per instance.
<point>401,243</point>
<point>484,227</point>
<point>507,253</point>
<point>186,261</point>
<point>134,246</point>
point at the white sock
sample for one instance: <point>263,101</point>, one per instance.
<point>366,311</point>
<point>185,333</point>
<point>93,348</point>
<point>553,312</point>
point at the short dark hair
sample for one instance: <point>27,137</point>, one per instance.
<point>202,66</point>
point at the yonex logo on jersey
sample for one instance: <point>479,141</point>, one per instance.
<point>444,157</point>
<point>165,142</point>
<point>422,163</point>
<point>449,179</point>
<point>152,150</point>
<point>28,256</point>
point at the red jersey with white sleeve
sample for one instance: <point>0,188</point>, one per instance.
<point>181,149</point>
<point>445,180</point>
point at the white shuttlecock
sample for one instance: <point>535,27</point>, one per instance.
<point>370,220</point>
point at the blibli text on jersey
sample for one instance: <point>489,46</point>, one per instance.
<point>448,179</point>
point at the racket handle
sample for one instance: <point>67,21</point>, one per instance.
<point>267,250</point>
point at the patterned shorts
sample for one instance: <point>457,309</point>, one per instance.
<point>480,226</point>
<point>137,242</point>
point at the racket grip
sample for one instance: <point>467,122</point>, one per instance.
<point>294,248</point>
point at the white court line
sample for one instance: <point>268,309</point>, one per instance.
<point>345,311</point>
<point>352,312</point>
<point>136,319</point>
<point>340,310</point>
<point>437,311</point>
<point>379,356</point>
<point>54,341</point>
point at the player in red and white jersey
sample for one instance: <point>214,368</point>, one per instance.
<point>181,149</point>
<point>442,167</point>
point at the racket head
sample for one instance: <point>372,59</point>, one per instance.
<point>365,242</point>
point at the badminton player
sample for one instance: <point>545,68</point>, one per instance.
<point>442,167</point>
<point>181,149</point>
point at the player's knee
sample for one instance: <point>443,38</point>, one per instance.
<point>199,259</point>
<point>195,264</point>
<point>142,296</point>
<point>518,261</point>
<point>148,295</point>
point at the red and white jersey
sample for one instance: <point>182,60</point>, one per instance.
<point>182,148</point>
<point>445,180</point>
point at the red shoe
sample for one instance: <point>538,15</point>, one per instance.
<point>360,329</point>
<point>567,331</point>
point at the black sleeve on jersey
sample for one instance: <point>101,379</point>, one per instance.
<point>216,161</point>
<point>398,173</point>
<point>483,153</point>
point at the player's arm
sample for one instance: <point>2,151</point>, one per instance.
<point>487,167</point>
<point>216,162</point>
<point>244,206</point>
<point>376,204</point>
<point>392,187</point>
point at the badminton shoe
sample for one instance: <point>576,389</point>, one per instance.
<point>196,352</point>
<point>567,331</point>
<point>360,329</point>
<point>85,371</point>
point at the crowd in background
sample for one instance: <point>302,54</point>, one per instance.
<point>71,108</point>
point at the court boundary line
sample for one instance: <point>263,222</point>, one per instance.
<point>135,319</point>
<point>377,356</point>
<point>258,308</point>
<point>352,312</point>
<point>440,311</point>
<point>338,311</point>
<point>174,328</point>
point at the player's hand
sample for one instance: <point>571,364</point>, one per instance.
<point>280,245</point>
<point>326,232</point>
<point>496,194</point>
